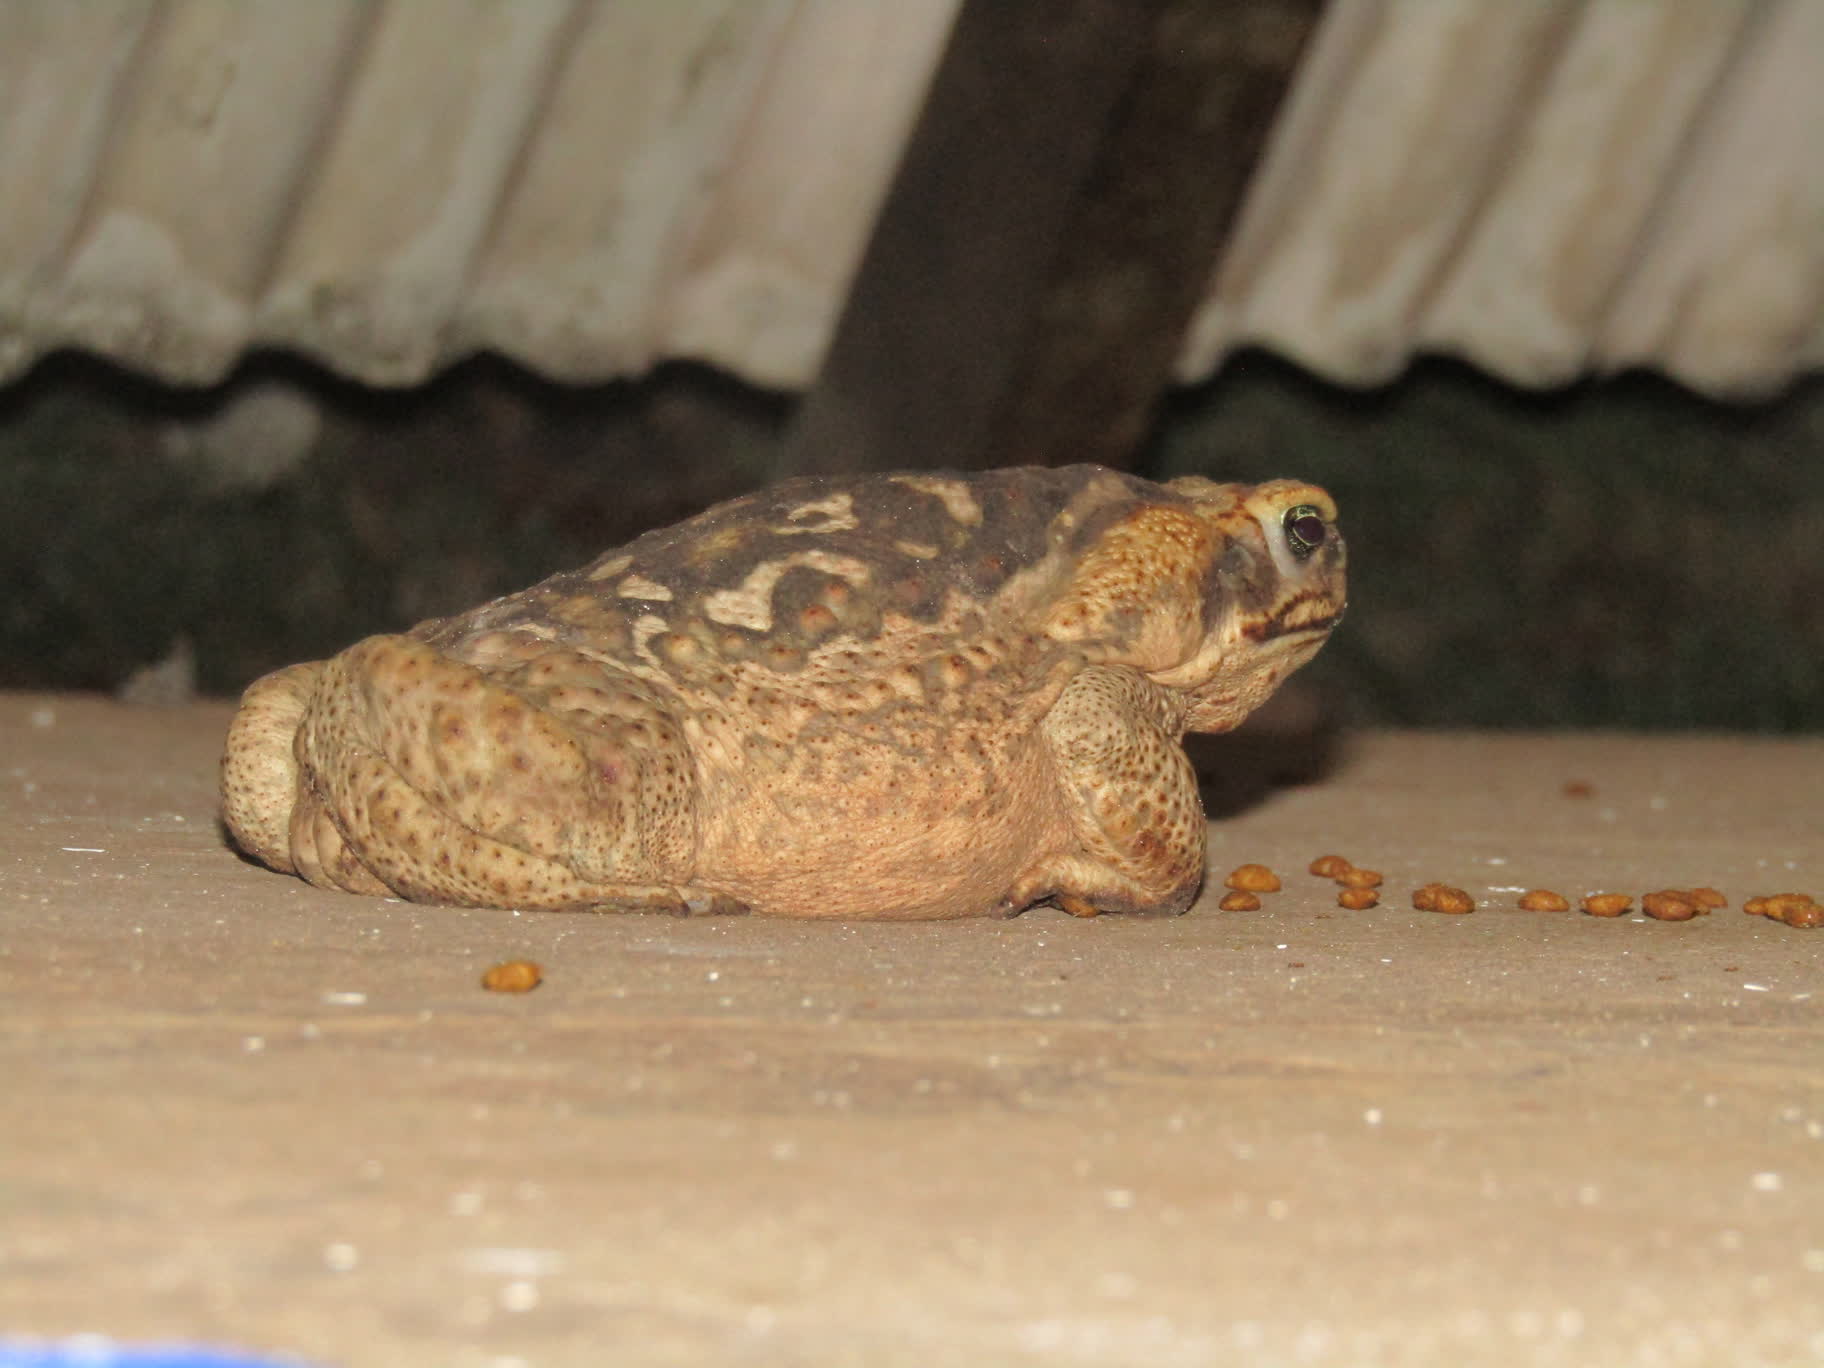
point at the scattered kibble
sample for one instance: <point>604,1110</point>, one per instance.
<point>1360,878</point>
<point>1544,900</point>
<point>1607,904</point>
<point>1254,878</point>
<point>1239,901</point>
<point>1807,914</point>
<point>1795,909</point>
<point>1330,866</point>
<point>1437,897</point>
<point>1356,899</point>
<point>1670,904</point>
<point>514,976</point>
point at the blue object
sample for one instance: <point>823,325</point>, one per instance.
<point>97,1351</point>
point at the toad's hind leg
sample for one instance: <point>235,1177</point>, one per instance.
<point>1131,799</point>
<point>259,764</point>
<point>545,782</point>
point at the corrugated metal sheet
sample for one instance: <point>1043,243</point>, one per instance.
<point>1542,186</point>
<point>1545,187</point>
<point>388,185</point>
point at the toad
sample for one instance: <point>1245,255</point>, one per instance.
<point>914,695</point>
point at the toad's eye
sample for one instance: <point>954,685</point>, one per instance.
<point>1305,529</point>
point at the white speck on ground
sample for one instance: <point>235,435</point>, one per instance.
<point>341,1257</point>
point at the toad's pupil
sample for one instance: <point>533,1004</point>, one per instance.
<point>1308,530</point>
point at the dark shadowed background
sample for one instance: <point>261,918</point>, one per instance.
<point>1620,553</point>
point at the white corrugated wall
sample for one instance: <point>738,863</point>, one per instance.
<point>387,185</point>
<point>1545,187</point>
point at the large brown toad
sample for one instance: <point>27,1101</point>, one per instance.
<point>892,696</point>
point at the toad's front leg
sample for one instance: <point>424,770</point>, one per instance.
<point>1130,797</point>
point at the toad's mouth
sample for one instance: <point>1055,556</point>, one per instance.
<point>1303,615</point>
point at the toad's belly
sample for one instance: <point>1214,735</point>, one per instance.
<point>892,839</point>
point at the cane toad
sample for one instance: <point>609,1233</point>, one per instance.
<point>888,696</point>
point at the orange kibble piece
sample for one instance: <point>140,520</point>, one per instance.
<point>1706,898</point>
<point>1607,904</point>
<point>1356,899</point>
<point>1254,878</point>
<point>1669,904</point>
<point>514,976</point>
<point>1239,901</point>
<point>1330,866</point>
<point>1360,878</point>
<point>1437,897</point>
<point>1544,900</point>
<point>1795,909</point>
<point>1805,914</point>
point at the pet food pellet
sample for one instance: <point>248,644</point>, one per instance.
<point>1437,897</point>
<point>1795,909</point>
<point>514,976</point>
<point>1544,900</point>
<point>1669,904</point>
<point>1806,914</point>
<point>1254,878</point>
<point>1239,901</point>
<point>1607,904</point>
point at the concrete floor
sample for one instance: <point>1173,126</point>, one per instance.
<point>240,1111</point>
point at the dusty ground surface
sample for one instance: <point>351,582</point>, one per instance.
<point>242,1111</point>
